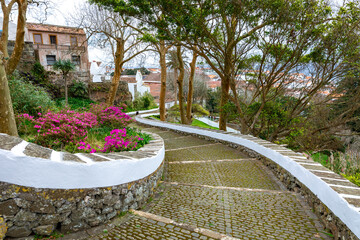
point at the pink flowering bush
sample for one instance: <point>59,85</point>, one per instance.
<point>118,140</point>
<point>112,116</point>
<point>58,129</point>
<point>102,129</point>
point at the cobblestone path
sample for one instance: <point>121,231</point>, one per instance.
<point>211,191</point>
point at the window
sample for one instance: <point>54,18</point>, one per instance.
<point>37,38</point>
<point>53,39</point>
<point>50,59</point>
<point>73,41</point>
<point>75,60</point>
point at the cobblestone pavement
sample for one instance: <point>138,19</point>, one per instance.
<point>209,187</point>
<point>142,228</point>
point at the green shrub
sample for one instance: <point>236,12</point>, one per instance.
<point>198,110</point>
<point>144,102</point>
<point>78,89</point>
<point>346,164</point>
<point>41,76</point>
<point>28,98</point>
<point>353,178</point>
<point>75,103</point>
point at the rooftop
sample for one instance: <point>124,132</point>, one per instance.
<point>53,28</point>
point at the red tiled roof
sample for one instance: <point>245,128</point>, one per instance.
<point>53,28</point>
<point>154,77</point>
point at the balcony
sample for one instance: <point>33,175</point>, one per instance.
<point>59,47</point>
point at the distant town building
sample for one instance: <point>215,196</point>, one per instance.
<point>135,83</point>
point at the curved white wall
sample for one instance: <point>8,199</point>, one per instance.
<point>16,168</point>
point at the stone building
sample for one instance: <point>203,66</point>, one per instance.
<point>51,43</point>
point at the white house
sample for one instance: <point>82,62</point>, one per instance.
<point>135,83</point>
<point>97,71</point>
<point>137,86</point>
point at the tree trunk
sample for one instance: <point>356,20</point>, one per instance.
<point>191,88</point>
<point>225,86</point>
<point>5,32</point>
<point>162,99</point>
<point>7,117</point>
<point>19,41</point>
<point>180,84</point>
<point>66,90</point>
<point>119,57</point>
<point>175,85</point>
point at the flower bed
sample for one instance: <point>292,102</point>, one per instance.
<point>101,129</point>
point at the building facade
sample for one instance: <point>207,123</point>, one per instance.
<point>52,43</point>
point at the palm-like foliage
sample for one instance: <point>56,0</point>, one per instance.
<point>64,66</point>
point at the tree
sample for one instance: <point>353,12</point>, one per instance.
<point>219,31</point>
<point>107,28</point>
<point>272,39</point>
<point>313,40</point>
<point>9,63</point>
<point>191,88</point>
<point>173,63</point>
<point>13,60</point>
<point>65,66</point>
<point>180,82</point>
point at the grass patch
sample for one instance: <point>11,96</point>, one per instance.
<point>198,123</point>
<point>75,103</point>
<point>320,158</point>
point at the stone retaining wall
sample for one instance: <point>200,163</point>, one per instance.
<point>27,58</point>
<point>28,209</point>
<point>333,198</point>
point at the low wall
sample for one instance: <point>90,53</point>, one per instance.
<point>42,190</point>
<point>333,198</point>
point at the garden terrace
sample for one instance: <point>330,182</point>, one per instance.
<point>42,189</point>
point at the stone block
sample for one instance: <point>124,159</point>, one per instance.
<point>22,203</point>
<point>25,216</point>
<point>74,226</point>
<point>96,221</point>
<point>45,230</point>
<point>8,208</point>
<point>34,150</point>
<point>111,215</point>
<point>18,231</point>
<point>49,219</point>
<point>107,210</point>
<point>83,213</point>
<point>110,200</point>
<point>8,142</point>
<point>128,198</point>
<point>66,207</point>
<point>42,207</point>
